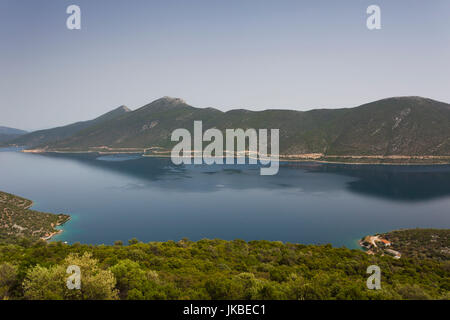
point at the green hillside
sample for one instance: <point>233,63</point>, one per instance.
<point>8,134</point>
<point>17,221</point>
<point>421,243</point>
<point>396,126</point>
<point>405,126</point>
<point>44,137</point>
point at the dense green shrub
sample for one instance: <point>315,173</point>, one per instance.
<point>214,269</point>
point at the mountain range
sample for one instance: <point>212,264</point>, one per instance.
<point>8,134</point>
<point>399,127</point>
<point>54,135</point>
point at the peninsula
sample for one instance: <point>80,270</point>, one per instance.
<point>17,221</point>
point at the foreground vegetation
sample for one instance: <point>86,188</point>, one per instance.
<point>213,269</point>
<point>31,268</point>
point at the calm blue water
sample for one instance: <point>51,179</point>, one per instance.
<point>120,197</point>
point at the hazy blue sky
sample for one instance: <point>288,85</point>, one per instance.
<point>227,54</point>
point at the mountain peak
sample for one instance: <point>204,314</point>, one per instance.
<point>171,100</point>
<point>113,113</point>
<point>165,103</point>
<point>122,108</point>
<point>411,99</point>
<point>407,101</point>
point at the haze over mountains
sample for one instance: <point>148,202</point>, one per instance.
<point>8,134</point>
<point>50,136</point>
<point>408,126</point>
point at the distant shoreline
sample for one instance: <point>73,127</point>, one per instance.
<point>318,158</point>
